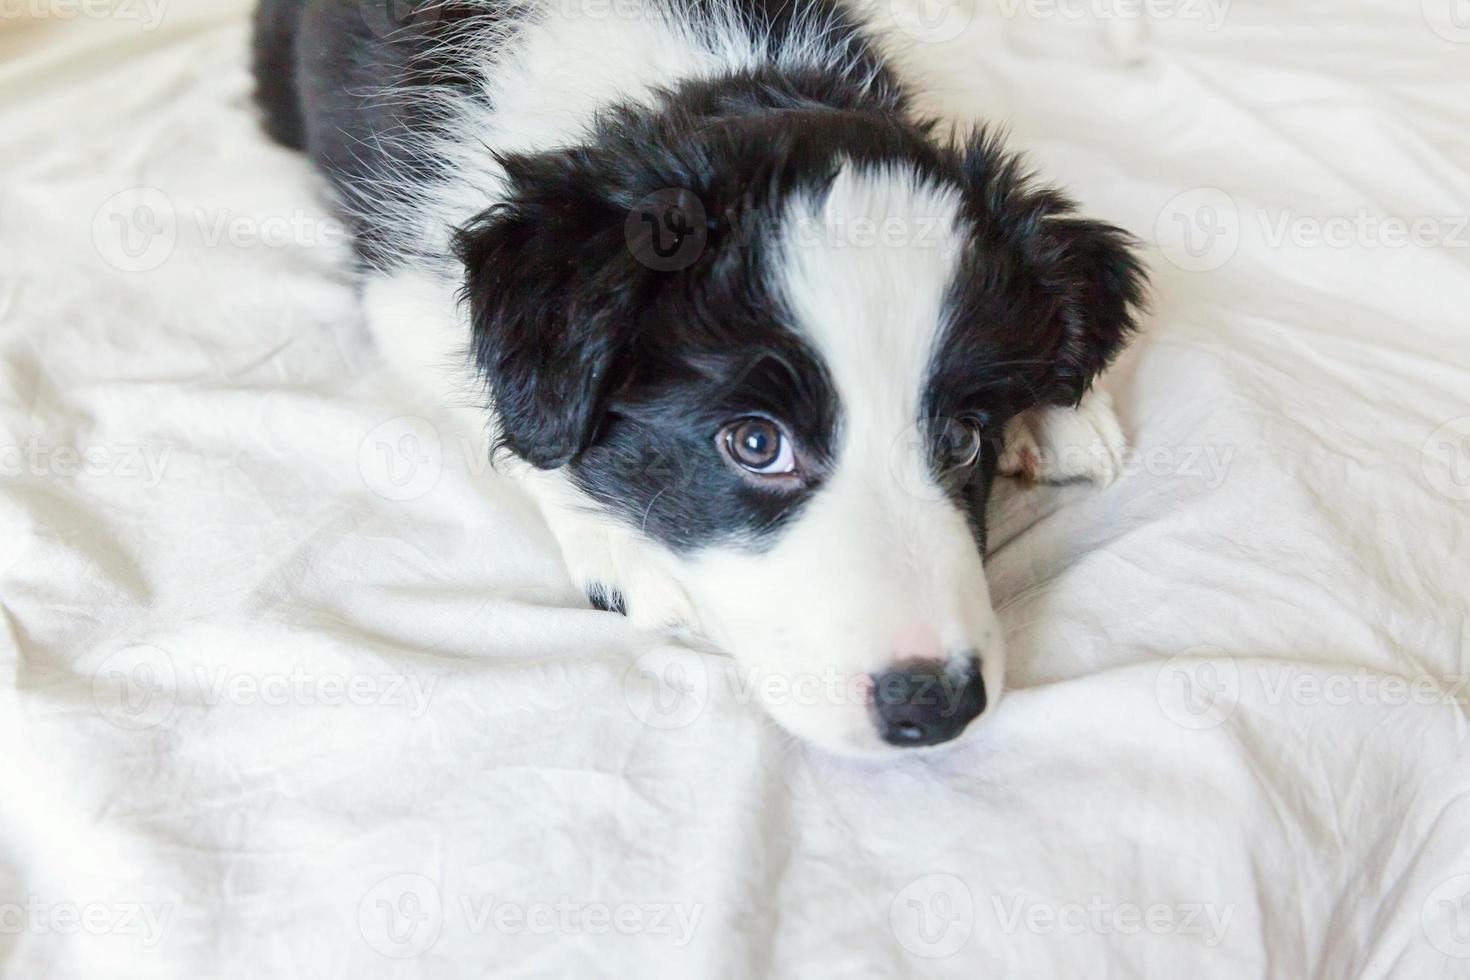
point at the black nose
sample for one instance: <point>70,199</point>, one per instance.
<point>926,705</point>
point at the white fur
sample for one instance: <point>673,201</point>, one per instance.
<point>550,70</point>
<point>880,566</point>
<point>1055,445</point>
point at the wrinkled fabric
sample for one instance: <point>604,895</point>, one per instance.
<point>292,684</point>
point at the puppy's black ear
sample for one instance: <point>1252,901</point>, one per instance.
<point>1089,284</point>
<point>550,283</point>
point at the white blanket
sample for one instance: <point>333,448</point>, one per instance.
<point>290,687</point>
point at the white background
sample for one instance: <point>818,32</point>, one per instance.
<point>288,689</point>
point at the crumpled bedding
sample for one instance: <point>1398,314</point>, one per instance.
<point>292,685</point>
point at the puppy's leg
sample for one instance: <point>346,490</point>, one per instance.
<point>613,566</point>
<point>1055,445</point>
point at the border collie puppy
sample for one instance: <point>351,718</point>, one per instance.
<point>751,331</point>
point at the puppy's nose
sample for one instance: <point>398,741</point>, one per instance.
<point>927,703</point>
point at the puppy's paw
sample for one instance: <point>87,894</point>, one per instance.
<point>1056,445</point>
<point>619,574</point>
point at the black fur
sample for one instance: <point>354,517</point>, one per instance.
<point>347,81</point>
<point>605,599</point>
<point>621,369</point>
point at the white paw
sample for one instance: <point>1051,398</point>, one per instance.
<point>1055,445</point>
<point>618,571</point>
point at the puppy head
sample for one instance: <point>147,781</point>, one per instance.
<point>804,411</point>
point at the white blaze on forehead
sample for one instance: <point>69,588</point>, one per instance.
<point>880,566</point>
<point>865,270</point>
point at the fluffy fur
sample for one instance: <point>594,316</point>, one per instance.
<point>639,222</point>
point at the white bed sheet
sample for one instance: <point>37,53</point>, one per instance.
<point>290,689</point>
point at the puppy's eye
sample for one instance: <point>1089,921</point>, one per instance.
<point>758,445</point>
<point>960,442</point>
